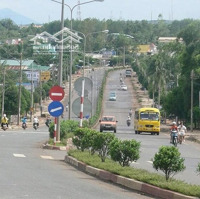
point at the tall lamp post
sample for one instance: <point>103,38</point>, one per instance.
<point>83,80</point>
<point>20,89</point>
<point>70,71</point>
<point>3,89</point>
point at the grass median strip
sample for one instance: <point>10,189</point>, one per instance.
<point>136,174</point>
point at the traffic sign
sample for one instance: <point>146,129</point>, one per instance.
<point>56,93</point>
<point>45,75</point>
<point>55,108</point>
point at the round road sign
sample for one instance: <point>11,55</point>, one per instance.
<point>56,93</point>
<point>55,108</point>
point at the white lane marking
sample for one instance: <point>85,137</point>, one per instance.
<point>55,109</point>
<point>19,155</point>
<point>47,157</point>
<point>150,162</point>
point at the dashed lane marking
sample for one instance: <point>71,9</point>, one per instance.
<point>150,162</point>
<point>47,157</point>
<point>19,155</point>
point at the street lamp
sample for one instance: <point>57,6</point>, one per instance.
<point>124,49</point>
<point>3,89</point>
<point>70,71</point>
<point>20,89</point>
<point>83,80</point>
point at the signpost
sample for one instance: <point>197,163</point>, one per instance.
<point>45,75</point>
<point>56,108</point>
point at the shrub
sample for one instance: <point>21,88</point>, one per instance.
<point>198,168</point>
<point>66,126</point>
<point>101,144</point>
<point>169,161</point>
<point>78,136</point>
<point>124,151</point>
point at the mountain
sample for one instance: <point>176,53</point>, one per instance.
<point>17,18</point>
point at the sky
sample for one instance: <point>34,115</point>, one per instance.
<point>44,11</point>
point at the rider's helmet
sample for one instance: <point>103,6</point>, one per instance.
<point>174,123</point>
<point>4,115</point>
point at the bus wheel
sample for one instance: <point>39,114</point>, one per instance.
<point>158,133</point>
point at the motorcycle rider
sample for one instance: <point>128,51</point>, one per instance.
<point>4,120</point>
<point>35,121</point>
<point>173,128</point>
<point>48,121</point>
<point>24,121</point>
<point>182,130</point>
<point>130,112</point>
<point>128,121</point>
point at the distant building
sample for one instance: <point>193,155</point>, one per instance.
<point>13,41</point>
<point>29,67</point>
<point>169,39</point>
<point>147,49</point>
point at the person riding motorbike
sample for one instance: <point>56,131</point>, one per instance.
<point>130,112</point>
<point>24,121</point>
<point>35,121</point>
<point>173,128</point>
<point>48,121</point>
<point>128,121</point>
<point>181,131</point>
<point>4,120</point>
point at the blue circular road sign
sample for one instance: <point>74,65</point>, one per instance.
<point>55,108</point>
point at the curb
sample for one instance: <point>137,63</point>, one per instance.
<point>51,147</point>
<point>126,182</point>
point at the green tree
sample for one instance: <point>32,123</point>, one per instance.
<point>101,144</point>
<point>168,160</point>
<point>124,151</point>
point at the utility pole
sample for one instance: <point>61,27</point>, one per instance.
<point>3,91</point>
<point>20,88</point>
<point>191,114</point>
<point>31,94</point>
<point>60,65</point>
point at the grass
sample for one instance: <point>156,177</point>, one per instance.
<point>137,174</point>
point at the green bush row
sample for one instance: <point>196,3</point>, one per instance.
<point>123,152</point>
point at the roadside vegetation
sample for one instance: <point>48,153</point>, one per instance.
<point>172,64</point>
<point>105,151</point>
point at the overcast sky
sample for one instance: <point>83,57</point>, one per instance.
<point>45,10</point>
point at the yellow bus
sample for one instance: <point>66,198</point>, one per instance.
<point>147,120</point>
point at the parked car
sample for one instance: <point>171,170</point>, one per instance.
<point>108,123</point>
<point>112,96</point>
<point>123,87</point>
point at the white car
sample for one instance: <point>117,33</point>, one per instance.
<point>112,96</point>
<point>123,87</point>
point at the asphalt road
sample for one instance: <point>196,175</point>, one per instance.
<point>150,144</point>
<point>29,171</point>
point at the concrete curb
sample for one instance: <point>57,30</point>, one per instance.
<point>51,147</point>
<point>126,182</point>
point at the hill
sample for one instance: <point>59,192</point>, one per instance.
<point>17,18</point>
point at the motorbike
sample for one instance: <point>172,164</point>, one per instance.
<point>128,122</point>
<point>174,135</point>
<point>24,126</point>
<point>35,126</point>
<point>4,127</point>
